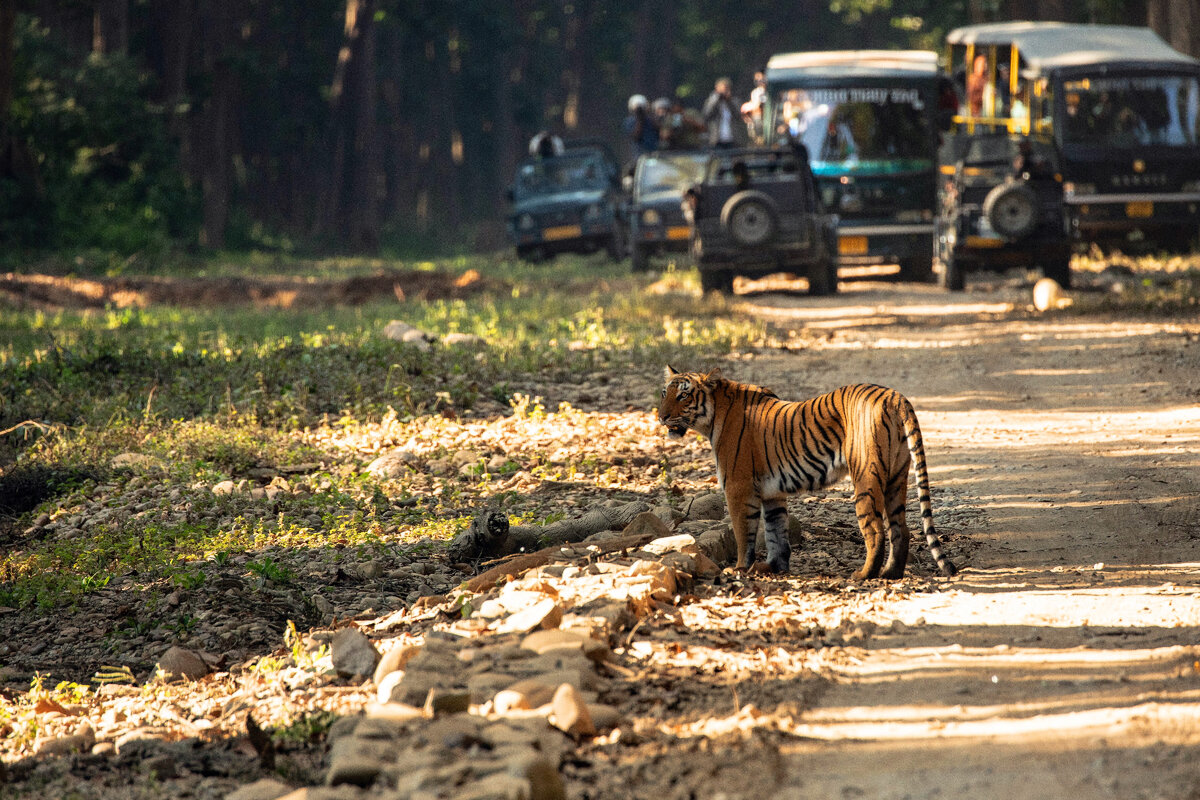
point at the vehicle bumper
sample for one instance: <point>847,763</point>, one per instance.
<point>1132,217</point>
<point>675,238</point>
<point>866,244</point>
<point>585,238</point>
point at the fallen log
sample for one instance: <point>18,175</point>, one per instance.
<point>491,536</point>
<point>519,564</point>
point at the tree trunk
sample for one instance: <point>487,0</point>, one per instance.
<point>214,128</point>
<point>353,189</point>
<point>110,27</point>
<point>16,162</point>
<point>8,19</point>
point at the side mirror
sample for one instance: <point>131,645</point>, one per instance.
<point>627,183</point>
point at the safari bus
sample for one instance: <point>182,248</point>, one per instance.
<point>869,120</point>
<point>1117,108</point>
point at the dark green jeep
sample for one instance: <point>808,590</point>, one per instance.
<point>567,203</point>
<point>756,212</point>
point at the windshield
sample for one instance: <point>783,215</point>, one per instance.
<point>572,172</point>
<point>669,173</point>
<point>1125,111</point>
<point>858,127</point>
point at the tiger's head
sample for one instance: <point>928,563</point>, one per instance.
<point>686,401</point>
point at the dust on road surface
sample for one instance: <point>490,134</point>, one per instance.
<point>1063,662</point>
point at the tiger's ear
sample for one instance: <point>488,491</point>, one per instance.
<point>713,375</point>
<point>669,372</point>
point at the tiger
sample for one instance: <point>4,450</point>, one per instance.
<point>767,448</point>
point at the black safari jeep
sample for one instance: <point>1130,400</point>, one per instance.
<point>1001,206</point>
<point>756,212</point>
<point>567,203</point>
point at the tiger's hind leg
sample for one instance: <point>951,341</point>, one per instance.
<point>779,549</point>
<point>899,535</point>
<point>870,509</point>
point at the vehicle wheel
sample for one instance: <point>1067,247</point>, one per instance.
<point>615,246</point>
<point>823,278</point>
<point>1012,209</point>
<point>717,280</point>
<point>639,258</point>
<point>1059,270</point>
<point>750,217</point>
<point>534,254</point>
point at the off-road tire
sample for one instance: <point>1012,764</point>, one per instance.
<point>1012,210</point>
<point>716,280</point>
<point>639,259</point>
<point>750,218</point>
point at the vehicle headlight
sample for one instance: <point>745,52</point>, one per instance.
<point>591,213</point>
<point>1071,188</point>
<point>912,215</point>
<point>1190,186</point>
<point>525,222</point>
<point>650,217</point>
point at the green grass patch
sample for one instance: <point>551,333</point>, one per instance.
<point>211,394</point>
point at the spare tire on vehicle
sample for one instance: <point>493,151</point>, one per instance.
<point>750,218</point>
<point>1012,209</point>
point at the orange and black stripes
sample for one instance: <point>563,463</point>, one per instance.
<point>766,448</point>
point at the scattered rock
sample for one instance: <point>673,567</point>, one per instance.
<point>441,701</point>
<point>395,659</point>
<point>399,331</point>
<point>358,761</point>
<point>265,789</point>
<point>79,742</point>
<point>179,663</point>
<point>354,655</point>
<point>550,641</point>
<point>707,506</point>
<point>545,613</point>
<point>646,523</point>
<point>392,464</point>
<point>463,340</point>
<point>569,713</point>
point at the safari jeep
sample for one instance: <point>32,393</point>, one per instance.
<point>755,213</point>
<point>656,222</point>
<point>568,203</point>
<point>1001,207</point>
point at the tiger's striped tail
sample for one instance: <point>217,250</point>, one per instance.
<point>916,446</point>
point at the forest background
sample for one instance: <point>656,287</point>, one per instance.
<point>131,130</point>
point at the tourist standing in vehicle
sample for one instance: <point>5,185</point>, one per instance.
<point>545,144</point>
<point>681,129</point>
<point>752,109</point>
<point>977,84</point>
<point>720,112</point>
<point>640,127</point>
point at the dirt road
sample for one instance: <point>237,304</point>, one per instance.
<point>1063,662</point>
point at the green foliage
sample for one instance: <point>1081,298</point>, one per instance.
<point>105,174</point>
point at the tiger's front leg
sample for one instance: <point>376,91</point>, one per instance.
<point>743,515</point>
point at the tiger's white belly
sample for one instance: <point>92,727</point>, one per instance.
<point>786,483</point>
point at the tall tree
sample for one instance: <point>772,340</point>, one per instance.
<point>354,186</point>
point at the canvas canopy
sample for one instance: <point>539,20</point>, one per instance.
<point>1046,46</point>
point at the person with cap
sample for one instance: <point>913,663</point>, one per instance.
<point>639,126</point>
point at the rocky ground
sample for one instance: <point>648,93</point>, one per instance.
<point>1063,661</point>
